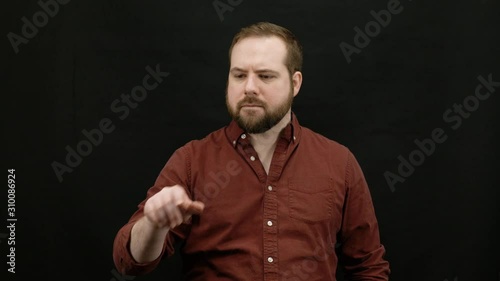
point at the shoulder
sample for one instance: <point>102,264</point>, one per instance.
<point>323,144</point>
<point>334,153</point>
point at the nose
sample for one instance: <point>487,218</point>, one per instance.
<point>251,85</point>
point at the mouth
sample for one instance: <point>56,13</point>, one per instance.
<point>251,108</point>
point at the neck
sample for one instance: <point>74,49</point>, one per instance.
<point>269,137</point>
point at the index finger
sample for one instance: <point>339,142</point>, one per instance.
<point>192,207</point>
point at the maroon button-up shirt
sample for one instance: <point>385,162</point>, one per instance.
<point>310,212</point>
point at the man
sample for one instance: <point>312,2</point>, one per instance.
<point>262,198</point>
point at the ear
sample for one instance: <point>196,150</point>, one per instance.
<point>296,82</point>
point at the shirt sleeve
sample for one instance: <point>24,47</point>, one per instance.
<point>361,253</point>
<point>175,171</point>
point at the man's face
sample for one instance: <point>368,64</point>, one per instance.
<point>260,90</point>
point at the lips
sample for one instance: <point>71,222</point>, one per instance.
<point>251,102</point>
<point>251,106</point>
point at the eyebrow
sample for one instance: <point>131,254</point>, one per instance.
<point>237,69</point>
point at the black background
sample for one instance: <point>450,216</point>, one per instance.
<point>441,223</point>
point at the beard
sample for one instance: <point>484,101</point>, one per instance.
<point>254,123</point>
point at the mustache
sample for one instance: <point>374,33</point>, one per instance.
<point>252,101</point>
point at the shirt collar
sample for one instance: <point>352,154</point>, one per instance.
<point>291,133</point>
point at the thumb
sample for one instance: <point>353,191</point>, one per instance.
<point>192,207</point>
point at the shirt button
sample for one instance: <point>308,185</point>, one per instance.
<point>270,223</point>
<point>270,188</point>
<point>234,142</point>
<point>252,158</point>
<point>243,136</point>
<point>294,138</point>
<point>269,259</point>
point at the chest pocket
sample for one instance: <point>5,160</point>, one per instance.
<point>310,199</point>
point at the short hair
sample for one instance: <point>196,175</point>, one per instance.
<point>294,56</point>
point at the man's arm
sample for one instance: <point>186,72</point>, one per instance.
<point>165,210</point>
<point>146,241</point>
<point>361,252</point>
<point>151,230</point>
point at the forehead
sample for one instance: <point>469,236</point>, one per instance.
<point>259,52</point>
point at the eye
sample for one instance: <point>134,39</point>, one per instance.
<point>239,75</point>
<point>266,77</point>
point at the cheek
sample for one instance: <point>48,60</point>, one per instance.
<point>278,93</point>
<point>235,87</point>
<point>231,88</point>
<point>232,94</point>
